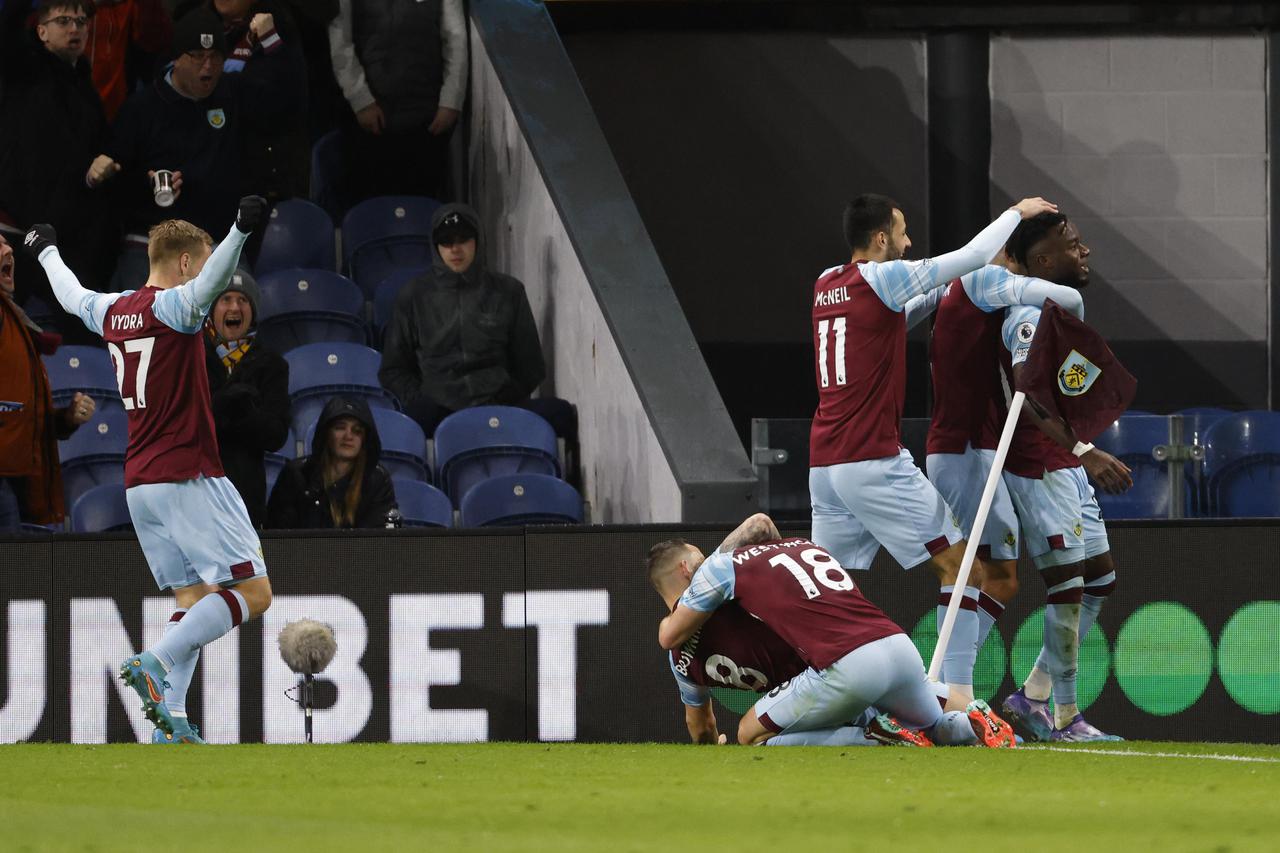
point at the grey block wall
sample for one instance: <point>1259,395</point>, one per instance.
<point>1156,146</point>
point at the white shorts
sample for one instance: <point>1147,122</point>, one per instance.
<point>195,531</point>
<point>1061,520</point>
<point>859,506</point>
<point>960,478</point>
<point>888,674</point>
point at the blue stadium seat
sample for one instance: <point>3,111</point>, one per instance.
<point>404,446</point>
<point>42,314</point>
<point>1195,424</point>
<point>101,509</point>
<point>298,234</point>
<point>422,505</point>
<point>518,499</point>
<point>318,371</point>
<point>476,444</point>
<point>274,462</point>
<point>328,173</point>
<point>306,306</point>
<point>384,297</point>
<point>81,368</point>
<point>94,454</point>
<point>29,529</point>
<point>1242,462</point>
<point>381,235</point>
<point>1131,439</point>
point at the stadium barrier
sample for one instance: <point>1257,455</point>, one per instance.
<point>550,634</point>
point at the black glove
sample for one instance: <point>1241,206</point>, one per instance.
<point>253,209</point>
<point>39,238</point>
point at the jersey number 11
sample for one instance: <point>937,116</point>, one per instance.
<point>824,328</point>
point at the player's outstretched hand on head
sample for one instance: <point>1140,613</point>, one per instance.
<point>1112,475</point>
<point>39,238</point>
<point>1030,207</point>
<point>253,210</point>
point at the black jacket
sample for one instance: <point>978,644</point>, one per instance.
<point>462,340</point>
<point>157,128</point>
<point>251,414</point>
<point>52,125</point>
<point>300,500</point>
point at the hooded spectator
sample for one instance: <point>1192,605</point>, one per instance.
<point>249,383</point>
<point>340,484</point>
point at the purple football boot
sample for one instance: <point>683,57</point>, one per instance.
<point>1080,731</point>
<point>1029,718</point>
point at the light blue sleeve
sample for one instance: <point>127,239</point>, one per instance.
<point>1019,330</point>
<point>183,308</point>
<point>712,584</point>
<point>74,298</point>
<point>895,282</point>
<point>993,288</point>
<point>920,308</point>
<point>690,693</point>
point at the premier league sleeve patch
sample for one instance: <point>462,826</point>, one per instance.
<point>1026,332</point>
<point>1077,374</point>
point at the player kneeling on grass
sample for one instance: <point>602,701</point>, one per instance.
<point>191,522</point>
<point>857,657</point>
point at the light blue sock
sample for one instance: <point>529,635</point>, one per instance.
<point>962,649</point>
<point>989,612</point>
<point>954,729</point>
<point>179,678</point>
<point>1091,604</point>
<point>210,618</point>
<point>1062,639</point>
<point>843,736</point>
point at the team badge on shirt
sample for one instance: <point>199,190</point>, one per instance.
<point>1077,374</point>
<point>217,118</point>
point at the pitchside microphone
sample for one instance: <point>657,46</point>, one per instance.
<point>307,647</point>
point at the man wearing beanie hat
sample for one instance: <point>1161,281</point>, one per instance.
<point>249,384</point>
<point>192,121</point>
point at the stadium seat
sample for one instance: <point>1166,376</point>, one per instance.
<point>1131,439</point>
<point>1195,424</point>
<point>1242,463</point>
<point>81,368</point>
<point>274,462</point>
<point>381,235</point>
<point>94,454</point>
<point>404,446</point>
<point>517,499</point>
<point>306,306</point>
<point>100,510</point>
<point>318,371</point>
<point>476,444</point>
<point>384,297</point>
<point>298,234</point>
<point>41,314</point>
<point>328,173</point>
<point>422,505</point>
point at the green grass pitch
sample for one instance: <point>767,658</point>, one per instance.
<point>570,797</point>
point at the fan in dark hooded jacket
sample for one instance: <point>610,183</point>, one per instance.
<point>363,497</point>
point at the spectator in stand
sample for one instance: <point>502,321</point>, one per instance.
<point>30,427</point>
<point>340,485</point>
<point>249,383</point>
<point>276,157</point>
<point>51,127</point>
<point>403,69</point>
<point>126,38</point>
<point>462,335</point>
<point>193,122</point>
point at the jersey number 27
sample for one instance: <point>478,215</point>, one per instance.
<point>141,348</point>
<point>824,329</point>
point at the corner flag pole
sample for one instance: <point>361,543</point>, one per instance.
<point>975,535</point>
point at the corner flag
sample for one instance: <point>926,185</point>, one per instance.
<point>1071,373</point>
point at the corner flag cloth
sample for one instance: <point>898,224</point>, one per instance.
<point>1072,374</point>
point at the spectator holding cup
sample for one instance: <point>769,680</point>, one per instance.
<point>179,142</point>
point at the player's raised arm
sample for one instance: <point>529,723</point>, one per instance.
<point>920,308</point>
<point>42,242</point>
<point>897,281</point>
<point>756,529</point>
<point>184,307</point>
<point>993,288</point>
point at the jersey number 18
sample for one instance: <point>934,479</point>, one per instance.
<point>141,347</point>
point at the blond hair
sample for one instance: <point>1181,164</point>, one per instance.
<point>172,237</point>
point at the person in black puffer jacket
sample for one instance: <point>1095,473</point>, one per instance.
<point>340,485</point>
<point>249,384</point>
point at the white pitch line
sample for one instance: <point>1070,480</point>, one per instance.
<point>1209,756</point>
